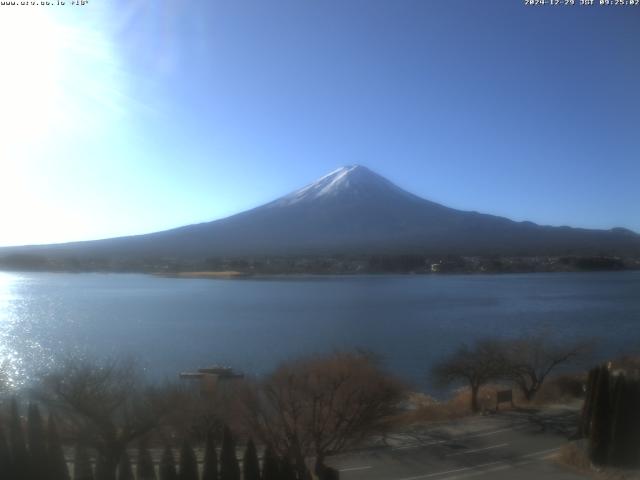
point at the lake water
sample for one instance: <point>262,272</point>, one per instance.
<point>172,325</point>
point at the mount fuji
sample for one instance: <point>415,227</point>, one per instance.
<point>352,210</point>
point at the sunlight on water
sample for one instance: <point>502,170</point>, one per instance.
<point>12,366</point>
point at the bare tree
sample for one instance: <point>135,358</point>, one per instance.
<point>320,406</point>
<point>201,414</point>
<point>474,366</point>
<point>106,404</point>
<point>530,359</point>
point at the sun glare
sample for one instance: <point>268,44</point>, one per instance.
<point>30,84</point>
<point>61,84</point>
<point>59,74</point>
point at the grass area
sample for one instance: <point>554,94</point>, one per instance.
<point>562,389</point>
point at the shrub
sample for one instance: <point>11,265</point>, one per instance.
<point>82,465</point>
<point>168,465</point>
<point>229,468</point>
<point>210,469</point>
<point>57,464</point>
<point>188,463</point>
<point>250,465</point>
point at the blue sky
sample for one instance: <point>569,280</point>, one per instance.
<point>160,113</point>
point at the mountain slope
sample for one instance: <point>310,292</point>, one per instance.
<point>354,210</point>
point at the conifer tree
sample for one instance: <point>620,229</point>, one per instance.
<point>210,469</point>
<point>37,443</point>
<point>270,465</point>
<point>125,472</point>
<point>102,470</point>
<point>286,469</point>
<point>618,419</point>
<point>600,431</point>
<point>145,470</point>
<point>229,468</point>
<point>168,465</point>
<point>188,463</point>
<point>81,464</point>
<point>19,453</point>
<point>56,462</point>
<point>5,456</point>
<point>625,425</point>
<point>250,465</point>
<point>634,424</point>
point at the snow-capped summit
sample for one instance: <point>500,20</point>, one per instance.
<point>351,180</point>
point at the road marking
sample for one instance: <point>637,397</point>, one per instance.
<point>486,434</point>
<point>541,452</point>
<point>506,466</point>
<point>354,469</point>
<point>419,445</point>
<point>457,439</point>
<point>477,450</point>
<point>428,475</point>
<point>500,465</point>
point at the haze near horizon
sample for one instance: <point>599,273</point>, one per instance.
<point>162,114</point>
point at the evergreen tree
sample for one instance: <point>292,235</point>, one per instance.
<point>56,462</point>
<point>270,466</point>
<point>250,465</point>
<point>19,453</point>
<point>125,472</point>
<point>103,472</point>
<point>81,464</point>
<point>145,470</point>
<point>188,463</point>
<point>634,424</point>
<point>5,456</point>
<point>168,465</point>
<point>625,440</point>
<point>229,468</point>
<point>210,469</point>
<point>286,469</point>
<point>618,419</point>
<point>36,441</point>
<point>600,430</point>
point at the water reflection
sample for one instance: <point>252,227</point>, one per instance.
<point>171,325</point>
<point>19,348</point>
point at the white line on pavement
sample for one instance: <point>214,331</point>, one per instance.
<point>541,452</point>
<point>477,450</point>
<point>354,469</point>
<point>455,439</point>
<point>428,475</point>
<point>494,469</point>
<point>419,445</point>
<point>486,434</point>
<point>500,465</point>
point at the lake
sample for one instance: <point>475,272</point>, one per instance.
<point>172,325</point>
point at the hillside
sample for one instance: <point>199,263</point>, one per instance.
<point>351,211</point>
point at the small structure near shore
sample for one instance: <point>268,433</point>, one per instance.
<point>209,378</point>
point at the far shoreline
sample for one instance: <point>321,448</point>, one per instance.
<point>235,275</point>
<point>324,267</point>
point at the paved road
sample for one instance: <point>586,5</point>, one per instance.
<point>511,445</point>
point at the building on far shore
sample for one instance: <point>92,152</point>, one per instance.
<point>210,378</point>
